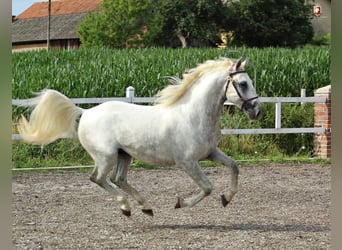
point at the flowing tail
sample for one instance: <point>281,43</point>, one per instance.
<point>53,116</point>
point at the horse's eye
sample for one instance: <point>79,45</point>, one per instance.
<point>243,84</point>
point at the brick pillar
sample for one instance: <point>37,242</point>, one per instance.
<point>323,120</point>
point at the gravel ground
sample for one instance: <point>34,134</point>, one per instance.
<point>278,206</point>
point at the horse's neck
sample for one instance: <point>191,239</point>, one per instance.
<point>205,101</point>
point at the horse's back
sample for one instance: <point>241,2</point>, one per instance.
<point>111,118</point>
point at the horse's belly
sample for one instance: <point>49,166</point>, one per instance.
<point>166,150</point>
<point>149,151</point>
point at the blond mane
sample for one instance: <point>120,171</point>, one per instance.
<point>171,94</point>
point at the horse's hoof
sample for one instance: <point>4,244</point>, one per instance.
<point>126,212</point>
<point>179,203</point>
<point>147,211</point>
<point>224,200</point>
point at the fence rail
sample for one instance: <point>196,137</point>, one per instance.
<point>277,100</point>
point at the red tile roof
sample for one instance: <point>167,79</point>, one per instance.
<point>60,7</point>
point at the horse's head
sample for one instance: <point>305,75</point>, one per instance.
<point>241,92</point>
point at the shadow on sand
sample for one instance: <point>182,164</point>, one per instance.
<point>249,227</point>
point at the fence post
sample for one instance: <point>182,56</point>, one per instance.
<point>302,94</point>
<point>322,112</point>
<point>278,115</point>
<point>130,93</point>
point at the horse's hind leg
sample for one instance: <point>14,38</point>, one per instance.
<point>119,178</point>
<point>194,171</point>
<point>218,156</point>
<point>99,176</point>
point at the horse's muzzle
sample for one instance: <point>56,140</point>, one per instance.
<point>253,109</point>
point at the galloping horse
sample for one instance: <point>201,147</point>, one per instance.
<point>182,128</point>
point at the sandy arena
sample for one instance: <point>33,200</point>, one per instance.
<point>278,206</point>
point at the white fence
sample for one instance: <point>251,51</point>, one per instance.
<point>145,100</point>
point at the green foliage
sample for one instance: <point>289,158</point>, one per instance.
<point>128,23</point>
<point>62,152</point>
<point>296,116</point>
<point>92,31</point>
<point>193,22</point>
<point>293,115</point>
<point>263,23</point>
<point>118,24</point>
<point>197,23</point>
<point>321,40</point>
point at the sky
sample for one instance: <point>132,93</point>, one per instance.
<point>18,6</point>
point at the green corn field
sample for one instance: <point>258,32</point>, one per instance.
<point>107,72</point>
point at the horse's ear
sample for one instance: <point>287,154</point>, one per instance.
<point>238,64</point>
<point>244,63</point>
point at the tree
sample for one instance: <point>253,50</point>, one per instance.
<point>154,23</point>
<point>188,21</point>
<point>117,23</point>
<point>264,23</point>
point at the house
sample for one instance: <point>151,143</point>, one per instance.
<point>30,28</point>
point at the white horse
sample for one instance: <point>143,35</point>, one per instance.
<point>182,129</point>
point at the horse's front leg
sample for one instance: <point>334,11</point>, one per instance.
<point>218,156</point>
<point>194,171</point>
